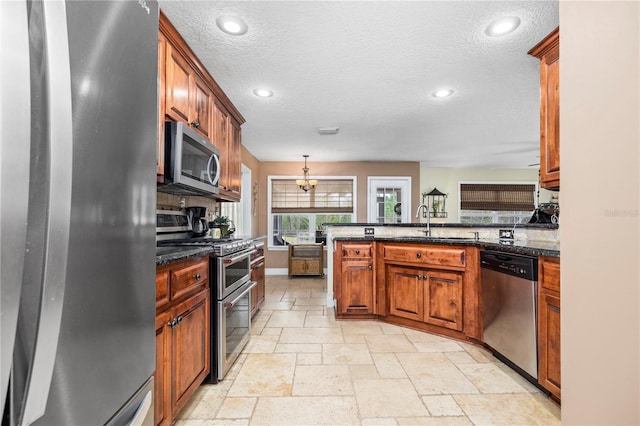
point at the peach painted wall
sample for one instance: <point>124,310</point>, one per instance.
<point>279,258</point>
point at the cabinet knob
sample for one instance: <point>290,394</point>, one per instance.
<point>179,320</point>
<point>195,124</point>
<point>418,255</point>
<point>172,323</point>
<point>371,267</point>
<point>197,276</point>
<point>424,277</point>
<point>357,251</point>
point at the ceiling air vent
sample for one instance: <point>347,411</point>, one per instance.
<point>328,130</point>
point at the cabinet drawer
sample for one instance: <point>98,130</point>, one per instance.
<point>549,273</point>
<point>426,255</point>
<point>357,250</point>
<point>189,278</point>
<point>162,288</point>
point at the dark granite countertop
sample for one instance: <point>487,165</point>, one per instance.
<point>528,247</point>
<point>454,225</point>
<point>168,254</point>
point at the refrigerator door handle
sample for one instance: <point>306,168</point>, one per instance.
<point>15,137</point>
<point>142,411</point>
<point>60,141</point>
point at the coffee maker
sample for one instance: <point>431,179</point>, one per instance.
<point>197,217</point>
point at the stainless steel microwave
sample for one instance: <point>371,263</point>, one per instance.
<point>192,163</point>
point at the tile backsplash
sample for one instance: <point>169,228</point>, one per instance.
<point>172,202</point>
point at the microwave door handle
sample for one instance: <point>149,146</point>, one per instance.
<point>15,125</point>
<point>216,178</point>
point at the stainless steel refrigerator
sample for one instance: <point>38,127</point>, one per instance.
<point>78,111</point>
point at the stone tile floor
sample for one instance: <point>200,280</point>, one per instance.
<point>302,367</point>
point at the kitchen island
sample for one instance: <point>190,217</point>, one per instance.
<point>433,283</point>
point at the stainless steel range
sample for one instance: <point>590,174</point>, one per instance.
<point>230,283</point>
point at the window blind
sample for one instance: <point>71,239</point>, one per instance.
<point>497,197</point>
<point>329,196</point>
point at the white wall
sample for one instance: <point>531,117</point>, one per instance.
<point>446,180</point>
<point>599,132</point>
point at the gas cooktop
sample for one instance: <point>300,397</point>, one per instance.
<point>221,247</point>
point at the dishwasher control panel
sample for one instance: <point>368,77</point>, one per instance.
<point>517,265</point>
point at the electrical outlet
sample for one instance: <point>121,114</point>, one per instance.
<point>368,232</point>
<point>506,234</point>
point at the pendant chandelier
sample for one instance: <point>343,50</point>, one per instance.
<point>305,183</point>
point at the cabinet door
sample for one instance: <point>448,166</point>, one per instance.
<point>200,114</point>
<point>406,296</point>
<point>356,287</point>
<point>257,292</point>
<point>221,138</point>
<point>550,128</point>
<point>162,375</point>
<point>549,343</point>
<point>190,347</point>
<point>443,299</point>
<point>178,83</point>
<point>548,51</point>
<point>234,159</point>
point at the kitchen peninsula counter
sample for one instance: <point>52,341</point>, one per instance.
<point>525,247</point>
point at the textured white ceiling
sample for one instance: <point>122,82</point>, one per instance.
<point>370,68</point>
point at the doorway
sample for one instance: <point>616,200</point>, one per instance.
<point>389,199</point>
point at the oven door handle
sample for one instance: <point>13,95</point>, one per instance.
<point>252,284</point>
<point>240,256</point>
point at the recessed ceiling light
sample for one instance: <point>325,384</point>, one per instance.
<point>503,26</point>
<point>231,25</point>
<point>443,93</point>
<point>263,93</point>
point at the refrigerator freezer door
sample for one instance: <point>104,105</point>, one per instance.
<point>59,142</point>
<point>14,173</point>
<point>106,349</point>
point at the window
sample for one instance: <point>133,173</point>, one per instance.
<point>506,203</point>
<point>296,215</point>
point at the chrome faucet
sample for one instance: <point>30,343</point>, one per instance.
<point>426,207</point>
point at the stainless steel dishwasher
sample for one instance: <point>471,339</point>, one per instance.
<point>509,288</point>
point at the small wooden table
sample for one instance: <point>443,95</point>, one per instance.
<point>306,259</point>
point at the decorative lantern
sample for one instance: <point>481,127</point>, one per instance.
<point>435,201</point>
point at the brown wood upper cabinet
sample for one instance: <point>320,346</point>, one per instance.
<point>189,94</point>
<point>548,51</point>
<point>227,137</point>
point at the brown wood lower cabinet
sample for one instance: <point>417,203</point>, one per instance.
<point>258,292</point>
<point>433,297</point>
<point>406,293</point>
<point>182,334</point>
<point>426,286</point>
<point>353,280</point>
<point>549,324</point>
